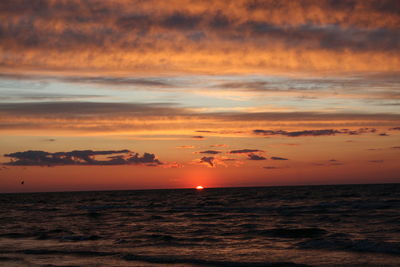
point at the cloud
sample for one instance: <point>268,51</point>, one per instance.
<point>76,108</point>
<point>117,81</point>
<point>185,147</point>
<point>271,167</point>
<point>219,145</point>
<point>208,160</point>
<point>80,157</point>
<point>336,164</point>
<point>307,116</point>
<point>180,35</point>
<point>209,20</point>
<point>106,117</point>
<point>172,165</point>
<point>376,161</point>
<point>379,90</point>
<point>229,159</point>
<point>244,151</point>
<point>395,147</point>
<point>198,137</point>
<point>204,131</point>
<point>212,152</point>
<point>214,161</point>
<point>181,21</point>
<point>40,81</point>
<point>314,132</point>
<point>394,129</point>
<point>278,158</point>
<point>255,157</point>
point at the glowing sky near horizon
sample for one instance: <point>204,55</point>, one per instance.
<point>170,94</point>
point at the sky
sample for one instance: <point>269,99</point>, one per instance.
<point>131,94</point>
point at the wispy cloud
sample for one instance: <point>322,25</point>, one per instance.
<point>255,157</point>
<point>212,152</point>
<point>323,132</point>
<point>185,147</point>
<point>278,158</point>
<point>244,151</point>
<point>208,160</point>
<point>136,117</point>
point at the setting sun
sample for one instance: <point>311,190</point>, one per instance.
<point>199,187</point>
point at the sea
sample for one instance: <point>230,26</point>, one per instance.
<point>332,225</point>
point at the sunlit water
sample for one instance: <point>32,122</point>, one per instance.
<point>353,225</point>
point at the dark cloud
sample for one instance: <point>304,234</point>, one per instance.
<point>185,147</point>
<point>42,80</point>
<point>278,158</point>
<point>308,116</point>
<point>376,161</point>
<point>147,158</point>
<point>394,129</point>
<point>72,109</point>
<point>116,81</point>
<point>219,145</point>
<point>228,159</point>
<point>137,110</point>
<point>296,133</point>
<point>204,131</point>
<point>314,132</point>
<point>331,162</point>
<point>212,152</point>
<point>255,157</point>
<point>208,160</point>
<point>383,134</point>
<point>139,22</point>
<point>80,157</point>
<point>198,137</point>
<point>395,147</point>
<point>181,21</point>
<point>179,36</point>
<point>46,97</point>
<point>332,37</point>
<point>383,6</point>
<point>244,151</point>
<point>316,24</point>
<point>220,21</point>
<point>271,167</point>
<point>142,23</point>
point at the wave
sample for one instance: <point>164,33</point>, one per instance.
<point>161,259</point>
<point>344,243</point>
<point>177,260</point>
<point>291,232</point>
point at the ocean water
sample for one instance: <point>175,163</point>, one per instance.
<point>346,225</point>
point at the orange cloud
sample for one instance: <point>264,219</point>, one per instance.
<point>205,36</point>
<point>124,118</point>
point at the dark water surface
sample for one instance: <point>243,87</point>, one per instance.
<point>346,225</point>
